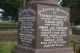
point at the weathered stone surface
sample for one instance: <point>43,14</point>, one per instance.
<point>43,28</point>
<point>20,49</point>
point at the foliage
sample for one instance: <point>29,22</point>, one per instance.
<point>11,8</point>
<point>74,6</point>
<point>75,46</point>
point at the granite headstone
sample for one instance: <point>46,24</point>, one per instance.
<point>43,28</point>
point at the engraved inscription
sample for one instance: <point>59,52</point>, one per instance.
<point>26,29</point>
<point>54,30</point>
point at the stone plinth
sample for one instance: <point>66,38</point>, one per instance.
<point>20,49</point>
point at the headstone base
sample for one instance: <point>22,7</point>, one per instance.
<point>19,49</point>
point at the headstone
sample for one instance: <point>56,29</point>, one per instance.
<point>43,28</point>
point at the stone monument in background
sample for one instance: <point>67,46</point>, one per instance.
<point>43,28</point>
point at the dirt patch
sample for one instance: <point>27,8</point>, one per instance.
<point>8,35</point>
<point>75,38</point>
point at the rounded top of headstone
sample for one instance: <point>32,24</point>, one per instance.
<point>55,2</point>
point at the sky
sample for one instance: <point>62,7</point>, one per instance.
<point>1,10</point>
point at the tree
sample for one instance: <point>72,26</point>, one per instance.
<point>11,7</point>
<point>74,6</point>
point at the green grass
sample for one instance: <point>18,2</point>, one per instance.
<point>72,45</point>
<point>6,46</point>
<point>8,25</point>
<point>75,46</point>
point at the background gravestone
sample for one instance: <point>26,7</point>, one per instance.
<point>43,28</point>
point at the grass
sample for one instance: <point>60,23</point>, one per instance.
<point>6,46</point>
<point>8,32</point>
<point>72,45</point>
<point>8,26</point>
<point>75,46</point>
<point>8,23</point>
<point>5,28</point>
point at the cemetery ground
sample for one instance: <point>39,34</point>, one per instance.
<point>9,34</point>
<point>5,26</point>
